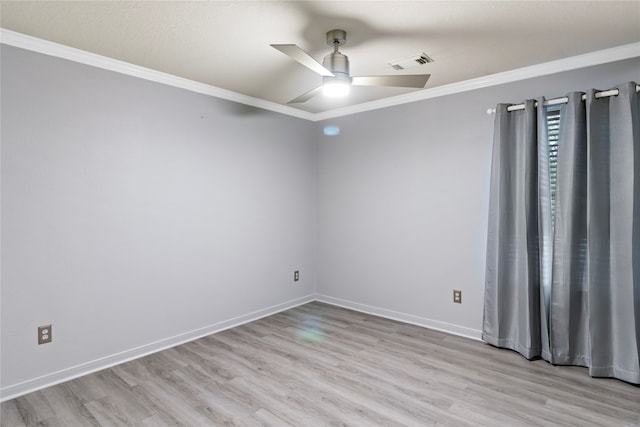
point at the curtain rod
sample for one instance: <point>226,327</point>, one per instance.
<point>563,100</point>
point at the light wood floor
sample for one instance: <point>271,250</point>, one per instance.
<point>320,365</point>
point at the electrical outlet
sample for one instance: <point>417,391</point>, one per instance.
<point>296,276</point>
<point>44,334</point>
<point>457,296</point>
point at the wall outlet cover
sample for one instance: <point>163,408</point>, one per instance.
<point>457,296</point>
<point>44,334</point>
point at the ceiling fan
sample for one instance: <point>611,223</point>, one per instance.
<point>334,70</point>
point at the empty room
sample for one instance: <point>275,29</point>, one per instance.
<point>319,213</point>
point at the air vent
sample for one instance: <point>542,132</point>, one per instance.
<point>410,61</point>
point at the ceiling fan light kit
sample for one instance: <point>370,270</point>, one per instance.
<point>336,79</point>
<point>336,88</point>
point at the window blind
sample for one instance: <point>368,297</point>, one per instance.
<point>553,132</point>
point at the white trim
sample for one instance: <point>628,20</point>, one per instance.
<point>35,44</point>
<point>67,374</point>
<point>86,368</point>
<point>566,64</point>
<point>46,47</point>
<point>403,317</point>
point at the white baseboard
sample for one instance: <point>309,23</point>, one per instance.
<point>403,317</point>
<point>70,373</point>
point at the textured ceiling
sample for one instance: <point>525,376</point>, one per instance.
<point>226,43</point>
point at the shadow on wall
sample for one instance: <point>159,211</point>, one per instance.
<point>237,109</point>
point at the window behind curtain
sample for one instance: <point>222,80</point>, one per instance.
<point>553,130</point>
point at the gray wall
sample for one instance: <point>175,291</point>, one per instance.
<point>134,213</point>
<point>403,200</point>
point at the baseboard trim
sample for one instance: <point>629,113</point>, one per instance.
<point>403,317</point>
<point>86,368</point>
<point>73,372</point>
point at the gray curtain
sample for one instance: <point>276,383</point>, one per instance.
<point>595,298</point>
<point>569,290</point>
<point>512,309</point>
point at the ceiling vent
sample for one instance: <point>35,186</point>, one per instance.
<point>410,61</point>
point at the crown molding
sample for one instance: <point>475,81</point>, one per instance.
<point>35,44</point>
<point>46,47</point>
<point>604,56</point>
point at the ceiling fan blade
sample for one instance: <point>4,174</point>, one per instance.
<point>306,96</point>
<point>303,57</point>
<point>407,80</point>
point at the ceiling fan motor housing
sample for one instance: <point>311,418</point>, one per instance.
<point>338,64</point>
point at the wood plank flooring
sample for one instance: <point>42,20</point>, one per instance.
<point>321,365</point>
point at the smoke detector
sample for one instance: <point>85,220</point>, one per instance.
<point>411,61</point>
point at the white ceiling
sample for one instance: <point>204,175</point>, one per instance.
<point>226,43</point>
